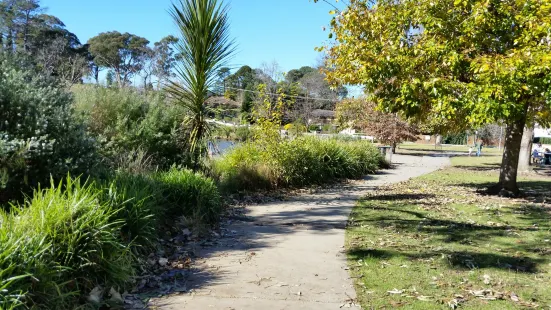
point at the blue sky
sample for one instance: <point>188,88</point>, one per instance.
<point>286,31</point>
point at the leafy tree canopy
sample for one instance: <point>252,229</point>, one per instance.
<point>388,128</point>
<point>164,58</point>
<point>461,62</point>
<point>122,52</point>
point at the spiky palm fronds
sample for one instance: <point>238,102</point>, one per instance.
<point>204,47</point>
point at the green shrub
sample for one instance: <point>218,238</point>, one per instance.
<point>242,169</point>
<point>189,194</point>
<point>542,140</point>
<point>313,127</point>
<point>39,137</point>
<point>243,133</point>
<point>134,195</point>
<point>148,201</point>
<point>313,161</point>
<point>124,121</point>
<point>298,162</point>
<point>458,138</point>
<point>59,245</point>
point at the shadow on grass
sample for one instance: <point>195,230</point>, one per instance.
<point>460,260</point>
<point>395,212</point>
<point>482,167</point>
<point>435,150</point>
<point>431,154</point>
<point>534,191</point>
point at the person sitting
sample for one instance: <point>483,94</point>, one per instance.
<point>547,156</point>
<point>536,156</point>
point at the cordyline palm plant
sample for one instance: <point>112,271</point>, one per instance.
<point>204,47</point>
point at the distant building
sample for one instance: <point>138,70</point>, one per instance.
<point>222,102</point>
<point>323,116</point>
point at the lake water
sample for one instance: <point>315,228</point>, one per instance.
<point>221,147</point>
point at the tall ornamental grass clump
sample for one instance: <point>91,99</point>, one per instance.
<point>182,192</point>
<point>135,196</point>
<point>58,245</point>
<point>299,162</point>
<point>69,238</point>
<point>146,202</point>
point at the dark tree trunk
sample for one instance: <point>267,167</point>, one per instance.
<point>509,166</point>
<point>393,145</point>
<point>95,71</point>
<point>525,149</point>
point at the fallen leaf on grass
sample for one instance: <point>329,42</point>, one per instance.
<point>454,303</point>
<point>487,294</point>
<point>395,291</point>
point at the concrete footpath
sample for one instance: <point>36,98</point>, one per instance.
<point>288,254</point>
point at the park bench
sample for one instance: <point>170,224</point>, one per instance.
<point>543,158</point>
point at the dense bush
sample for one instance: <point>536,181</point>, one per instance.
<point>243,133</point>
<point>67,239</point>
<point>189,194</point>
<point>39,136</point>
<point>61,243</point>
<point>125,120</point>
<point>298,162</point>
<point>458,138</point>
<point>139,209</point>
<point>542,140</point>
<point>242,168</point>
<point>146,201</point>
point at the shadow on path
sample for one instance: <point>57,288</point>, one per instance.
<point>273,250</point>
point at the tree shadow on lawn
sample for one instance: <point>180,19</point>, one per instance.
<point>450,233</point>
<point>432,154</point>
<point>405,151</point>
<point>463,260</point>
<point>533,190</point>
<point>482,167</point>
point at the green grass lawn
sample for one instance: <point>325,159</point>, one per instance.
<point>436,242</point>
<point>430,148</point>
<point>488,162</point>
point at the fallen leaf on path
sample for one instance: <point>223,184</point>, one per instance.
<point>95,295</point>
<point>163,261</point>
<point>115,296</point>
